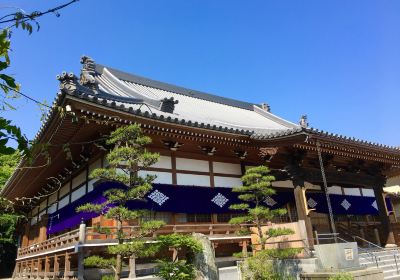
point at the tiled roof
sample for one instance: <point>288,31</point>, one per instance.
<point>141,96</point>
<point>193,106</point>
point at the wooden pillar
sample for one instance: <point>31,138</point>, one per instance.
<point>377,238</point>
<point>302,211</point>
<point>82,239</point>
<point>388,236</point>
<point>38,267</point>
<point>46,267</point>
<point>362,233</point>
<point>43,228</point>
<point>25,237</point>
<point>67,266</point>
<point>244,249</point>
<point>132,267</point>
<point>17,269</point>
<point>56,268</point>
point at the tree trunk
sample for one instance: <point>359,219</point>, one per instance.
<point>118,265</point>
<point>260,234</point>
<point>132,267</point>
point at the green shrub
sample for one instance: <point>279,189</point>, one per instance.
<point>342,276</point>
<point>261,267</point>
<point>107,277</point>
<point>179,270</point>
<point>99,262</point>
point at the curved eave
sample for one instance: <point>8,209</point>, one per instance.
<point>58,100</point>
<point>353,141</point>
<point>159,117</point>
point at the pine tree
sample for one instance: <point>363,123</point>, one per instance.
<point>255,190</point>
<point>126,158</point>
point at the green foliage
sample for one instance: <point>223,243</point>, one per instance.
<point>261,267</point>
<point>107,277</point>
<point>8,163</point>
<point>8,87</point>
<point>126,157</point>
<point>179,242</point>
<point>98,262</point>
<point>179,270</point>
<point>8,218</point>
<point>238,255</point>
<point>280,254</point>
<point>255,190</point>
<point>137,248</point>
<point>342,276</point>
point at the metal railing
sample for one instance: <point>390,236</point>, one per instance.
<point>372,251</point>
<point>326,236</point>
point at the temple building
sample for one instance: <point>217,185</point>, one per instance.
<point>206,142</point>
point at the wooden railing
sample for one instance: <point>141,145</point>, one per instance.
<point>91,234</point>
<point>61,241</point>
<point>108,233</point>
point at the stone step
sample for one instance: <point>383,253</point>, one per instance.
<point>380,261</point>
<point>393,277</point>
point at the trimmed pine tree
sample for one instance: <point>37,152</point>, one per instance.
<point>126,158</point>
<point>254,192</point>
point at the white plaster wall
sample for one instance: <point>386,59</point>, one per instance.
<point>41,214</point>
<point>192,164</point>
<point>163,162</point>
<point>94,165</point>
<point>91,185</point>
<point>227,182</point>
<point>34,221</point>
<point>283,184</point>
<point>162,177</point>
<point>53,198</point>
<point>352,191</point>
<point>335,190</point>
<point>368,192</point>
<point>79,179</point>
<point>64,190</point>
<point>193,180</point>
<point>78,193</point>
<point>393,181</point>
<point>42,205</point>
<point>227,168</point>
<point>52,208</point>
<point>63,202</point>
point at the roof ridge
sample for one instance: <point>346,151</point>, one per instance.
<point>174,88</point>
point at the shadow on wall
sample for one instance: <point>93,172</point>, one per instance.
<point>288,268</point>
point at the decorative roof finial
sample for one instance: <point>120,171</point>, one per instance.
<point>266,107</point>
<point>68,82</point>
<point>303,121</point>
<point>88,72</point>
<point>168,105</point>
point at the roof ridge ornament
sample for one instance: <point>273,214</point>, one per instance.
<point>303,121</point>
<point>68,82</point>
<point>88,72</point>
<point>168,105</point>
<point>266,107</point>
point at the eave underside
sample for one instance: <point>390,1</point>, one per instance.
<point>93,121</point>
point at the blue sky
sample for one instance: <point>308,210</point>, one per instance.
<point>336,61</point>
